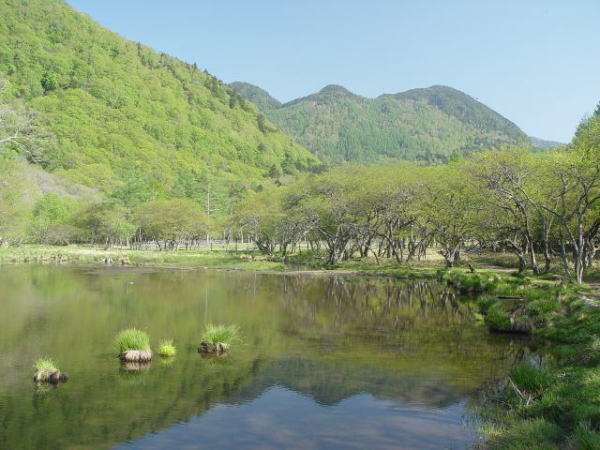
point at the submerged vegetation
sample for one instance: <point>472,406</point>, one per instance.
<point>166,348</point>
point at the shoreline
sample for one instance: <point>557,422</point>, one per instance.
<point>201,259</point>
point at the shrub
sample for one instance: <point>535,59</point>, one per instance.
<point>497,318</point>
<point>484,303</point>
<point>132,339</point>
<point>166,348</point>
<point>471,282</point>
<point>226,334</point>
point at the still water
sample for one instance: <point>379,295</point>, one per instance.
<point>327,362</point>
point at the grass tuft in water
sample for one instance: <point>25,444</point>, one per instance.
<point>226,334</point>
<point>132,339</point>
<point>44,367</point>
<point>166,348</point>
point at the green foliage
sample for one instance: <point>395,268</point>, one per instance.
<point>586,438</point>
<point>527,435</point>
<point>131,339</point>
<point>52,220</point>
<point>531,379</point>
<point>128,120</point>
<point>166,348</point>
<point>44,367</point>
<point>497,318</point>
<point>226,334</point>
<point>261,98</point>
<point>16,195</point>
<point>107,222</point>
<point>429,125</point>
<point>171,220</point>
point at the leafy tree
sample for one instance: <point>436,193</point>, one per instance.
<point>170,222</point>
<point>107,223</point>
<point>53,218</point>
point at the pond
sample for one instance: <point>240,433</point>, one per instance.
<point>327,361</point>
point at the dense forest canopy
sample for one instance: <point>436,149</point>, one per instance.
<point>130,122</point>
<point>428,125</point>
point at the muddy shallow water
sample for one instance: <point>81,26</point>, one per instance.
<point>327,362</point>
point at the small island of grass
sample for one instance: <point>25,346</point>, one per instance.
<point>46,371</point>
<point>217,339</point>
<point>166,348</point>
<point>133,345</point>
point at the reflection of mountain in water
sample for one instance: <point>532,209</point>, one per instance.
<point>280,418</point>
<point>330,384</point>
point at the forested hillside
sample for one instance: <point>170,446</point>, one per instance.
<point>128,121</point>
<point>261,98</point>
<point>422,124</point>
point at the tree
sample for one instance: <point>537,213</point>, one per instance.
<point>107,223</point>
<point>17,195</point>
<point>577,191</point>
<point>53,220</point>
<point>170,222</point>
<point>449,206</point>
<point>511,178</point>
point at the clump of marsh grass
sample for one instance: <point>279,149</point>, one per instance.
<point>225,334</point>
<point>166,348</point>
<point>132,339</point>
<point>46,371</point>
<point>44,367</point>
<point>218,338</point>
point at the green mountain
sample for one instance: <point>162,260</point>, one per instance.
<point>421,124</point>
<point>128,121</point>
<point>261,98</point>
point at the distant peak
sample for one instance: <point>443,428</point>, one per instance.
<point>335,89</point>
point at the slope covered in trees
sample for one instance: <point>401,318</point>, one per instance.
<point>261,98</point>
<point>128,121</point>
<point>541,207</point>
<point>421,124</point>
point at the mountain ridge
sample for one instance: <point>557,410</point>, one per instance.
<point>429,124</point>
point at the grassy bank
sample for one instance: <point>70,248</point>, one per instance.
<point>551,401</point>
<point>218,258</point>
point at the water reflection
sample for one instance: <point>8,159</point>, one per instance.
<point>281,418</point>
<point>345,361</point>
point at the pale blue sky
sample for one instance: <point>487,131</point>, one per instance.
<point>535,61</point>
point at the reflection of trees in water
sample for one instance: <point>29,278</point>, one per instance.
<point>340,305</point>
<point>403,341</point>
